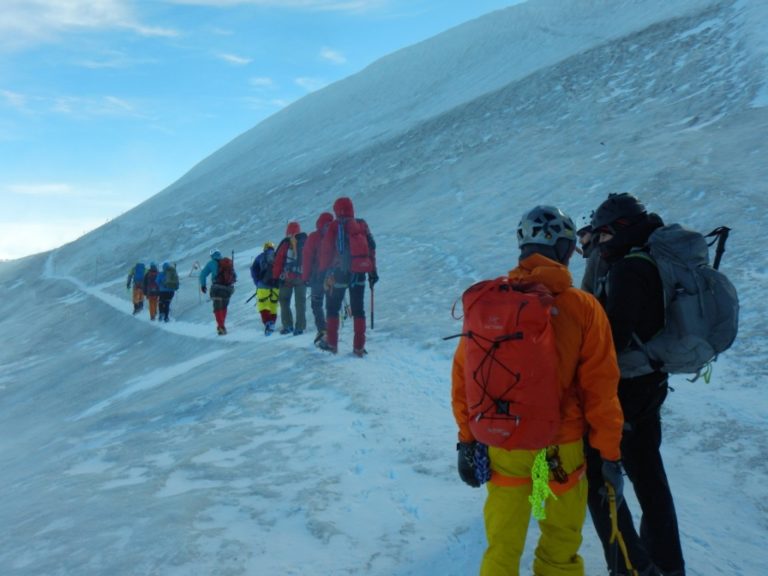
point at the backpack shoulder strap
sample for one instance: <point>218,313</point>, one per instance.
<point>642,254</point>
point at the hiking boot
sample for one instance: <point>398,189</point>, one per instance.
<point>220,330</point>
<point>359,352</point>
<point>285,330</point>
<point>269,327</point>
<point>319,336</point>
<point>323,345</point>
<point>298,332</point>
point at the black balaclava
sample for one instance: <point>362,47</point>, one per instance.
<point>629,233</point>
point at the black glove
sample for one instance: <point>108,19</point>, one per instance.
<point>614,475</point>
<point>203,289</point>
<point>373,277</point>
<point>467,463</point>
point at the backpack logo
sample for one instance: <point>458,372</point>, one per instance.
<point>226,274</point>
<point>701,306</point>
<point>510,369</point>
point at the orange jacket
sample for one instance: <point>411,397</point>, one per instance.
<point>587,367</point>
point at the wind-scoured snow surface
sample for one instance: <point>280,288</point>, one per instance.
<point>133,448</point>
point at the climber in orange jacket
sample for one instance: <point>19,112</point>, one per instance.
<point>588,376</point>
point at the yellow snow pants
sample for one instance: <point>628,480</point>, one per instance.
<point>266,299</point>
<point>508,512</point>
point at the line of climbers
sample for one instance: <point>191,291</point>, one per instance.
<point>156,286</point>
<point>650,306</point>
<point>334,258</point>
<point>339,256</point>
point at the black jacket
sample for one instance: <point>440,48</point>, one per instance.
<point>633,298</point>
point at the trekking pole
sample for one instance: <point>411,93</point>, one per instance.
<point>251,298</point>
<point>721,235</point>
<point>616,536</point>
<point>372,309</point>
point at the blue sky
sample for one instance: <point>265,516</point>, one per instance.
<point>103,104</point>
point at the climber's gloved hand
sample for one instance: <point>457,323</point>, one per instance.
<point>466,452</point>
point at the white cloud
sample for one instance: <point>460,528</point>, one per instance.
<point>328,5</point>
<point>24,22</point>
<point>103,106</point>
<point>153,30</point>
<point>70,105</point>
<point>261,82</point>
<point>65,104</point>
<point>113,59</point>
<point>14,99</point>
<point>46,189</point>
<point>262,104</point>
<point>332,56</point>
<point>40,189</point>
<point>115,103</point>
<point>310,84</point>
<point>235,59</point>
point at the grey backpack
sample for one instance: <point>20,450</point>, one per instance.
<point>701,305</point>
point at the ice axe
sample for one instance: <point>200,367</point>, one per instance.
<point>720,236</point>
<point>372,309</point>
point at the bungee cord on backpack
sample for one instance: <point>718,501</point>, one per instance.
<point>482,374</point>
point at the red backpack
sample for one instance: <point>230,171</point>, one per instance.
<point>353,246</point>
<point>226,274</point>
<point>510,370</point>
